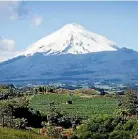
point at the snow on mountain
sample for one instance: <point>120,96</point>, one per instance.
<point>71,39</point>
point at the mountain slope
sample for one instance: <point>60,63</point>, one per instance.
<point>71,39</point>
<point>120,66</point>
<point>73,54</point>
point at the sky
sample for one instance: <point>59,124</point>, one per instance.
<point>23,23</point>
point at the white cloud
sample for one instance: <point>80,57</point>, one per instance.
<point>7,49</point>
<point>15,10</point>
<point>7,45</point>
<point>12,10</point>
<point>14,17</point>
<point>37,20</point>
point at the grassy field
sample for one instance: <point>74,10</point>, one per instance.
<point>81,106</point>
<point>8,133</point>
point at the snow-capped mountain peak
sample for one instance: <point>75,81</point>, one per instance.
<point>73,39</point>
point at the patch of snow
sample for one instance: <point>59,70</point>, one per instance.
<point>71,39</point>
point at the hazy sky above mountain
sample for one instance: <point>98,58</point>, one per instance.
<point>22,23</point>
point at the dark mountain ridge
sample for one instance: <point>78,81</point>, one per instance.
<point>119,66</point>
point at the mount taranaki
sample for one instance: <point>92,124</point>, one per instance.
<point>73,54</point>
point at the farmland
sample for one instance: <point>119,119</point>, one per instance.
<point>80,107</point>
<point>47,112</point>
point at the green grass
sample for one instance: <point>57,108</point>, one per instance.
<point>8,133</point>
<point>81,106</point>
